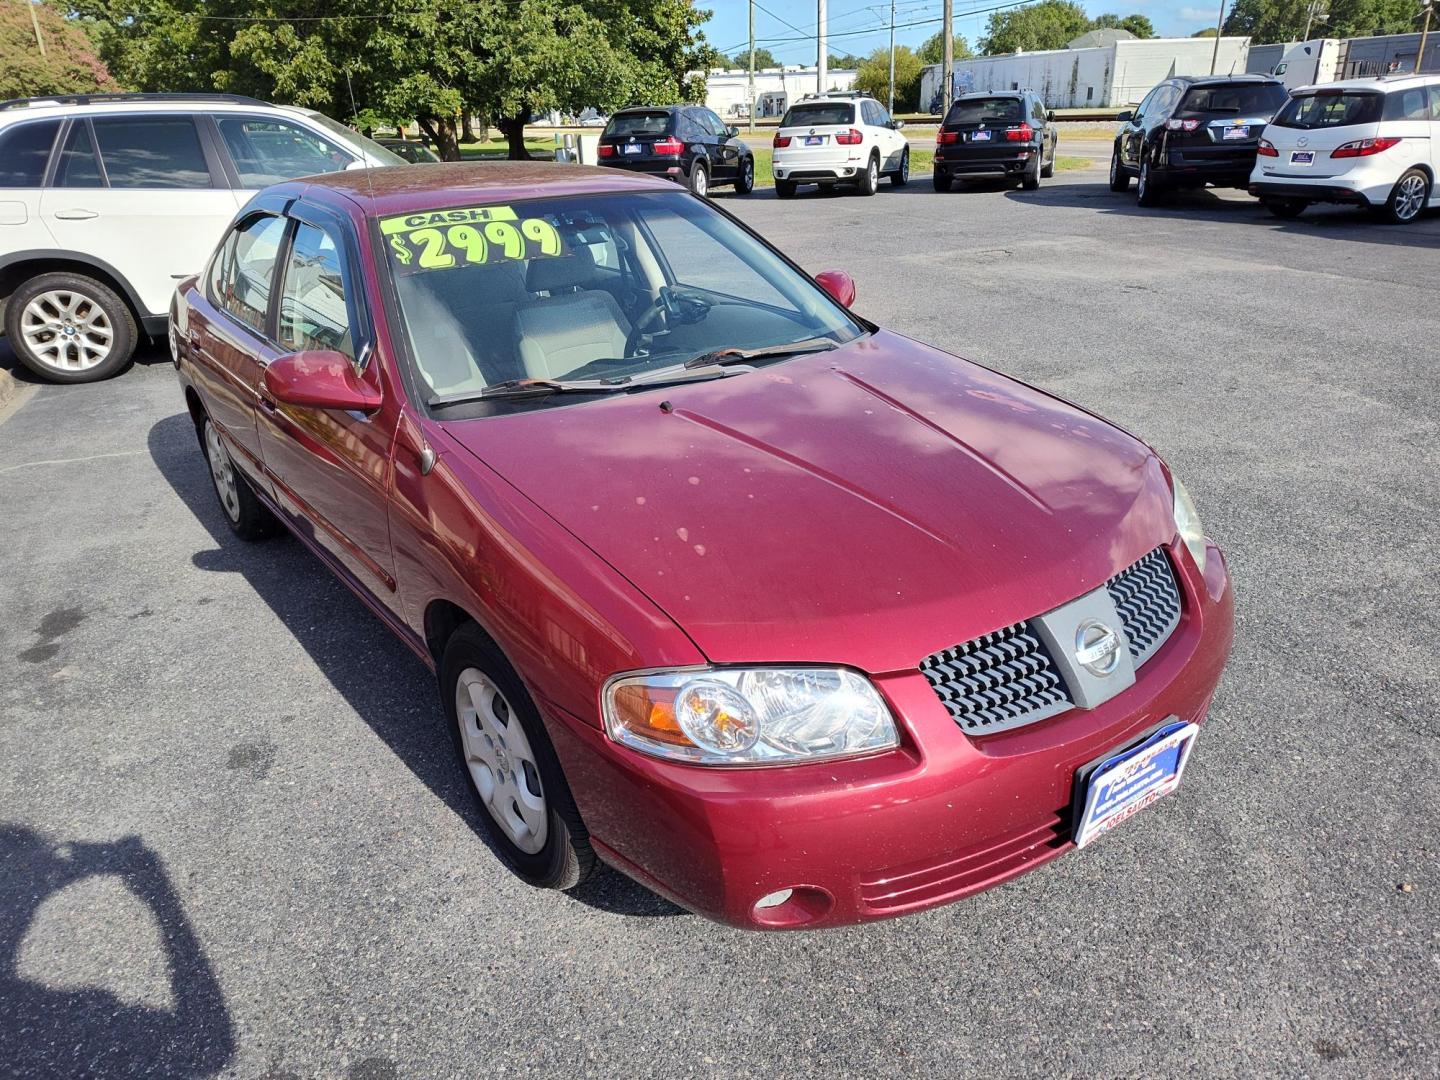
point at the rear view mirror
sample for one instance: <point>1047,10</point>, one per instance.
<point>320,379</point>
<point>1125,116</point>
<point>839,285</point>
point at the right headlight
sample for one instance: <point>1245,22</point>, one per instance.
<point>748,716</point>
<point>1187,521</point>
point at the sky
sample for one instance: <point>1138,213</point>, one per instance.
<point>861,28</point>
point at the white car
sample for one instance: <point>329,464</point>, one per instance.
<point>108,200</point>
<point>839,140</point>
<point>1371,142</point>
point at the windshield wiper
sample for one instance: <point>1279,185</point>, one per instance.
<point>735,356</point>
<point>523,388</point>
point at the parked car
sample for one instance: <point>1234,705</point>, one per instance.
<point>1370,142</point>
<point>796,620</point>
<point>686,143</point>
<point>1191,131</point>
<point>111,199</point>
<point>1005,134</point>
<point>839,139</point>
<point>416,153</point>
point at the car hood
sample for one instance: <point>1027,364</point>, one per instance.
<point>865,506</point>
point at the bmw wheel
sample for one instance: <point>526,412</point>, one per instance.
<point>901,176</point>
<point>870,178</point>
<point>700,179</point>
<point>69,328</point>
<point>746,181</point>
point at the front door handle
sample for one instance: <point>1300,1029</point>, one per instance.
<point>75,215</point>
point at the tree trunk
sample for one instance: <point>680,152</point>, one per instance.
<point>513,128</point>
<point>467,129</point>
<point>444,133</point>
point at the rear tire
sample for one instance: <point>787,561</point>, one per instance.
<point>247,516</point>
<point>869,181</point>
<point>745,183</point>
<point>1148,191</point>
<point>940,180</point>
<point>1407,199</point>
<point>69,328</point>
<point>502,744</point>
<point>901,176</point>
<point>1119,178</point>
<point>1030,179</point>
<point>700,180</point>
<point>785,189</point>
<point>1286,209</point>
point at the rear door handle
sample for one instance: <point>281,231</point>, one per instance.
<point>75,215</point>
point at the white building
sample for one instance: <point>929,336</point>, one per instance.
<point>1102,77</point>
<point>727,91</point>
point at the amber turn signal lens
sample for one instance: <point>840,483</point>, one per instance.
<point>650,713</point>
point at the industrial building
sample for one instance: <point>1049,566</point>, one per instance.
<point>727,91</point>
<point>1086,75</point>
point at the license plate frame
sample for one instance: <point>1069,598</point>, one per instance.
<point>1116,786</point>
<point>1236,131</point>
<point>1302,157</point>
<point>980,136</point>
<point>814,140</point>
<point>631,148</point>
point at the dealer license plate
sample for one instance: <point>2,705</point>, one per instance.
<point>1302,157</point>
<point>980,136</point>
<point>814,140</point>
<point>1128,781</point>
<point>1237,131</point>
<point>631,148</point>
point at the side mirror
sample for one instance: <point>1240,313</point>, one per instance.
<point>1126,116</point>
<point>839,285</point>
<point>897,124</point>
<point>320,379</point>
<point>731,130</point>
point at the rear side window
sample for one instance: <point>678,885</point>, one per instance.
<point>313,314</point>
<point>1330,110</point>
<point>815,113</point>
<point>24,153</point>
<point>639,123</point>
<point>246,270</point>
<point>268,151</point>
<point>151,152</point>
<point>1408,104</point>
<point>78,166</point>
<point>986,110</point>
<point>1237,99</point>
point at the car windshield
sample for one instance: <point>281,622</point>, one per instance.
<point>1258,99</point>
<point>985,110</point>
<point>638,123</point>
<point>1330,110</point>
<point>819,112</point>
<point>599,290</point>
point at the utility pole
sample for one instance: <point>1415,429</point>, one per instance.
<point>892,57</point>
<point>947,65</point>
<point>35,22</point>
<point>752,67</point>
<point>1429,6</point>
<point>822,55</point>
<point>1315,8</point>
<point>1219,29</point>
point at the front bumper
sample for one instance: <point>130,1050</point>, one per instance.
<point>940,818</point>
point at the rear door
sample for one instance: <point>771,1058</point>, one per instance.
<point>892,144</point>
<point>142,192</point>
<point>1434,91</point>
<point>25,150</point>
<point>724,150</point>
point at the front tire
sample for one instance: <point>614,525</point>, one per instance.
<point>901,176</point>
<point>247,516</point>
<point>869,181</point>
<point>745,183</point>
<point>1407,199</point>
<point>69,328</point>
<point>1119,178</point>
<point>700,180</point>
<point>510,765</point>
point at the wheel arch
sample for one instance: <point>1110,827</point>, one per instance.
<point>442,618</point>
<point>19,266</point>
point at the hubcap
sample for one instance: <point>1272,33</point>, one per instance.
<point>500,762</point>
<point>66,330</point>
<point>1409,198</point>
<point>222,470</point>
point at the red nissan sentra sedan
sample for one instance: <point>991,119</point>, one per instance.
<point>795,620</point>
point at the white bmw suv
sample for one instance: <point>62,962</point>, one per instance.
<point>108,200</point>
<point>839,139</point>
<point>1371,142</point>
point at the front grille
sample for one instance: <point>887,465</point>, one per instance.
<point>997,681</point>
<point>1008,678</point>
<point>1148,602</point>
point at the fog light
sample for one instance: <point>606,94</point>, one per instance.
<point>774,899</point>
<point>789,909</point>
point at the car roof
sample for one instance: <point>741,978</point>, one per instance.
<point>993,94</point>
<point>1376,84</point>
<point>1226,80</point>
<point>77,105</point>
<point>401,189</point>
<point>651,108</point>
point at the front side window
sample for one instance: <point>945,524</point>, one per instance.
<point>313,313</point>
<point>816,113</point>
<point>1330,110</point>
<point>24,153</point>
<point>248,271</point>
<point>611,287</point>
<point>267,151</point>
<point>151,152</point>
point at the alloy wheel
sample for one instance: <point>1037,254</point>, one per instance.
<point>1409,197</point>
<point>67,330</point>
<point>222,471</point>
<point>500,761</point>
<point>1114,168</point>
<point>874,173</point>
<point>701,183</point>
<point>905,167</point>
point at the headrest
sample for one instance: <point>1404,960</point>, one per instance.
<point>551,273</point>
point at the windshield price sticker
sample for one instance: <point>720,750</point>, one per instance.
<point>442,239</point>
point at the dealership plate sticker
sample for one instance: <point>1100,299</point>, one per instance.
<point>980,136</point>
<point>1302,157</point>
<point>814,140</point>
<point>1126,783</point>
<point>464,235</point>
<point>1237,131</point>
<point>631,148</point>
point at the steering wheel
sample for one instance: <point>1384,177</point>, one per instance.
<point>672,307</point>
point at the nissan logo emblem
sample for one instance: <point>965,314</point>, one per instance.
<point>1097,648</point>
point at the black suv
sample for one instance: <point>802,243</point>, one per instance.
<point>1005,134</point>
<point>687,143</point>
<point>1192,131</point>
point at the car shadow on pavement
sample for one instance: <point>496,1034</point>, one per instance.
<point>146,353</point>
<point>1205,204</point>
<point>381,679</point>
<point>86,1030</point>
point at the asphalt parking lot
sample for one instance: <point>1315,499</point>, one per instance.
<point>233,839</point>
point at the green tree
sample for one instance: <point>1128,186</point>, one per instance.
<point>69,65</point>
<point>845,62</point>
<point>1050,24</point>
<point>764,58</point>
<point>1138,25</point>
<point>933,51</point>
<point>1209,31</point>
<point>873,77</point>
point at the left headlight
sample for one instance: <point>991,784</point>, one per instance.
<point>748,716</point>
<point>1187,521</point>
